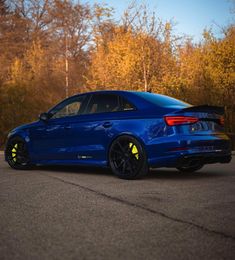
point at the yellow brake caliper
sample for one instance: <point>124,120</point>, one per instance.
<point>13,152</point>
<point>134,150</point>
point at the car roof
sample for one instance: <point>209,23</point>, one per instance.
<point>110,92</point>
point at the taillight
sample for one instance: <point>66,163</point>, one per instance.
<point>180,120</point>
<point>221,120</point>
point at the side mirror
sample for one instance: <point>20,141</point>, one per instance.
<point>44,116</point>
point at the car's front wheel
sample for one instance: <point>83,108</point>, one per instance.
<point>127,158</point>
<point>17,154</point>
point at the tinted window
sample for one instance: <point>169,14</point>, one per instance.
<point>101,103</point>
<point>161,100</point>
<point>70,107</point>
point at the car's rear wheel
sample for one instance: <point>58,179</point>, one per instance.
<point>17,154</point>
<point>127,158</point>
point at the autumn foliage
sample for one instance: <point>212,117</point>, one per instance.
<point>140,52</point>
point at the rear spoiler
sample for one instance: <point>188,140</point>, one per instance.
<point>204,108</point>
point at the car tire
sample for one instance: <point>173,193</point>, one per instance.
<point>127,158</point>
<point>17,155</point>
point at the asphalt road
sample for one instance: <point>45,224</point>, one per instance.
<point>80,213</point>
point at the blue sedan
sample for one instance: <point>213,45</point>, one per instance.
<point>125,130</point>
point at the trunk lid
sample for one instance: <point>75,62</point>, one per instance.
<point>209,119</point>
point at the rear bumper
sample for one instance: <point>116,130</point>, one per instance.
<point>175,150</point>
<point>204,158</point>
<point>180,159</point>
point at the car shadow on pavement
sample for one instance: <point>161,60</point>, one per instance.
<point>75,169</point>
<point>176,175</point>
<point>159,173</point>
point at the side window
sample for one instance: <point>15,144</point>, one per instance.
<point>101,103</point>
<point>70,108</point>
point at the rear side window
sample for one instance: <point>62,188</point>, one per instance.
<point>101,103</point>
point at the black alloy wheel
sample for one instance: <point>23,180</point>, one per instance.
<point>127,158</point>
<point>16,154</point>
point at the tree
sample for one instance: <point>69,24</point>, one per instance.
<point>71,29</point>
<point>13,39</point>
<point>130,55</point>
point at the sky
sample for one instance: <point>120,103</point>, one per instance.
<point>191,17</point>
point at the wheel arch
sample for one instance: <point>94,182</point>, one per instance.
<point>22,135</point>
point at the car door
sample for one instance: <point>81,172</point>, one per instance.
<point>50,139</point>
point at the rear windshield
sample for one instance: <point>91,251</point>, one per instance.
<point>161,100</point>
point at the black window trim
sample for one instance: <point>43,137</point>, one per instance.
<point>87,100</point>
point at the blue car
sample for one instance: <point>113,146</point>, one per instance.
<point>125,130</point>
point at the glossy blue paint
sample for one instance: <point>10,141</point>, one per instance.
<point>85,139</point>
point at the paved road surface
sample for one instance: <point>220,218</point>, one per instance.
<point>79,213</point>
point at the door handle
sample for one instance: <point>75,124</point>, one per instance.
<point>107,124</point>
